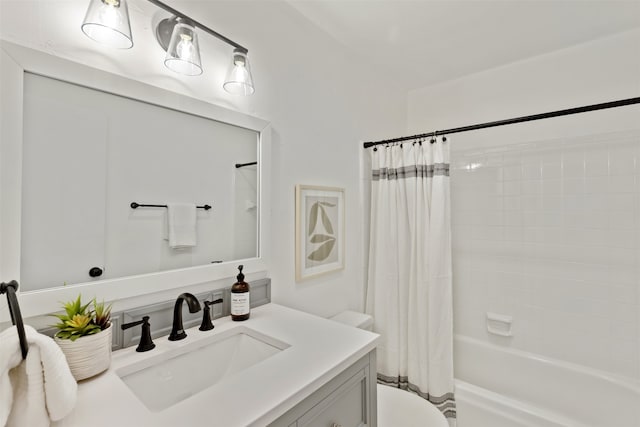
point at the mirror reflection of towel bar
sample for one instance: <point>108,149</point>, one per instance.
<point>241,165</point>
<point>135,205</point>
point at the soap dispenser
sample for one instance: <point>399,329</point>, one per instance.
<point>240,302</point>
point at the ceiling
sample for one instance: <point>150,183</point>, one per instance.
<point>424,42</point>
<point>415,43</point>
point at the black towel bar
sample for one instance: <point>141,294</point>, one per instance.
<point>14,309</point>
<point>135,205</point>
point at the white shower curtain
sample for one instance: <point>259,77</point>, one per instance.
<point>409,284</point>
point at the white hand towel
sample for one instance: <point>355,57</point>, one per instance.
<point>38,390</point>
<point>181,221</point>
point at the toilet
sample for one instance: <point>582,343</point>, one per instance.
<point>396,408</point>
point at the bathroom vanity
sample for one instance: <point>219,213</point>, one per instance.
<point>282,367</point>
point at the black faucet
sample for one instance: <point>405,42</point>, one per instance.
<point>177,331</point>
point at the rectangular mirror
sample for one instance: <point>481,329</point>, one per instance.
<point>87,155</point>
<point>83,152</point>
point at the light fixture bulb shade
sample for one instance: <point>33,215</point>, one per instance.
<point>107,22</point>
<point>183,53</point>
<point>239,80</point>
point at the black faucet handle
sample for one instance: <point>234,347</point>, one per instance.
<point>136,323</point>
<point>146,343</point>
<point>207,324</point>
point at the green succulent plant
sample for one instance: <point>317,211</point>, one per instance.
<point>79,320</point>
<point>102,314</point>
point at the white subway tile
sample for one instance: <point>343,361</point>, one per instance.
<point>552,186</point>
<point>596,202</point>
<point>597,162</point>
<point>622,183</point>
<point>573,186</point>
<point>550,219</point>
<point>574,202</point>
<point>597,219</point>
<point>553,203</point>
<point>626,220</point>
<point>512,202</point>
<point>531,203</point>
<point>512,188</point>
<point>622,202</point>
<point>574,218</point>
<point>552,170</point>
<point>624,331</point>
<point>573,164</point>
<point>623,274</point>
<point>531,187</point>
<point>532,171</point>
<point>598,185</point>
<point>621,312</point>
<point>624,293</point>
<point>622,161</point>
<point>512,172</point>
<point>623,239</point>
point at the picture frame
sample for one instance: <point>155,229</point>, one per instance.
<point>320,230</point>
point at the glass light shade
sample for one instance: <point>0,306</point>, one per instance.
<point>239,80</point>
<point>183,53</point>
<point>107,22</point>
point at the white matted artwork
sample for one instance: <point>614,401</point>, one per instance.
<point>320,230</point>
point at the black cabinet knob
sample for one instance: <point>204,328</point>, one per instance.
<point>95,272</point>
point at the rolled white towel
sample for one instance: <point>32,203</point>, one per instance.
<point>38,390</point>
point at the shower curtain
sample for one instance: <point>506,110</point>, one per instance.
<point>409,283</point>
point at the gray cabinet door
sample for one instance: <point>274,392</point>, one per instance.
<point>345,407</point>
<point>348,400</point>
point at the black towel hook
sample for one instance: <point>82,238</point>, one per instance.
<point>14,309</point>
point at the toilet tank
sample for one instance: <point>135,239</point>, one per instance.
<point>355,319</point>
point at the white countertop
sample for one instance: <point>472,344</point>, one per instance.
<point>319,350</point>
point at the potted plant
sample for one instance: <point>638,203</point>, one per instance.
<point>84,335</point>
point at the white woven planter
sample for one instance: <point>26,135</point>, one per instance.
<point>89,355</point>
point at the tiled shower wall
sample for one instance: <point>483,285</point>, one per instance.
<point>549,233</point>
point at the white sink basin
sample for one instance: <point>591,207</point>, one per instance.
<point>164,380</point>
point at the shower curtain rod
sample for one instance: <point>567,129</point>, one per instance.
<point>558,113</point>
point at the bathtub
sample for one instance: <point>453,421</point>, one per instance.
<point>498,387</point>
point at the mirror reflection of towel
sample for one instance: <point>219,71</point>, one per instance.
<point>181,222</point>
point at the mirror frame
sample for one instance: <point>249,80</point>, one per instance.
<point>15,61</point>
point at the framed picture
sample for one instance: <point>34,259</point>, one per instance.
<point>319,230</point>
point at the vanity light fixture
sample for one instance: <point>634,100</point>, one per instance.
<point>183,52</point>
<point>239,80</point>
<point>107,21</point>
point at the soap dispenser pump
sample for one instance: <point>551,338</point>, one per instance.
<point>240,301</point>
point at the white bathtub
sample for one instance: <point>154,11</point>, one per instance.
<point>498,387</point>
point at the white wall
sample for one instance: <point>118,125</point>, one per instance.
<point>322,102</point>
<point>546,223</point>
<point>320,99</point>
